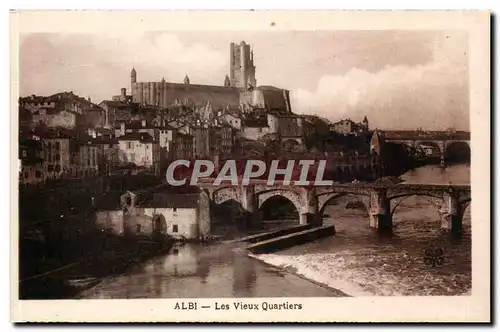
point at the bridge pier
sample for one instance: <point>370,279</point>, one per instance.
<point>380,211</point>
<point>310,210</point>
<point>303,218</point>
<point>249,204</point>
<point>451,220</point>
<point>442,163</point>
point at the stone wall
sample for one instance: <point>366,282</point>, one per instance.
<point>253,133</point>
<point>111,221</point>
<point>166,94</point>
<point>180,223</point>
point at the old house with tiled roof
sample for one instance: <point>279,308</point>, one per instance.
<point>148,212</point>
<point>140,149</point>
<point>64,109</point>
<point>347,126</point>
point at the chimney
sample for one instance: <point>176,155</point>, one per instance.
<point>124,92</point>
<point>122,129</point>
<point>89,99</point>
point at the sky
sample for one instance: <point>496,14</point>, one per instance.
<point>399,79</point>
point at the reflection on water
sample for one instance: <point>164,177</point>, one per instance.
<point>456,174</point>
<point>204,271</point>
<point>356,260</point>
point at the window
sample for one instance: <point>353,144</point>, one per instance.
<point>26,175</point>
<point>38,174</point>
<point>175,209</point>
<point>57,157</point>
<point>58,145</point>
<point>175,252</point>
<point>138,228</point>
<point>175,229</point>
<point>130,145</point>
<point>25,153</point>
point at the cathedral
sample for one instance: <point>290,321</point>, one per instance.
<point>238,91</point>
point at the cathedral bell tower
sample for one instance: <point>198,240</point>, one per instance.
<point>133,76</point>
<point>242,68</point>
<point>133,85</point>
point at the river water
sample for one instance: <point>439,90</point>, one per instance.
<point>354,262</point>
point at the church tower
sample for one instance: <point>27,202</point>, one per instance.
<point>133,85</point>
<point>242,68</point>
<point>365,123</point>
<point>227,81</point>
<point>186,79</point>
<point>133,76</point>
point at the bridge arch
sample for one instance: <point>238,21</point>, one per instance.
<point>465,207</point>
<point>226,193</point>
<point>279,207</point>
<point>437,201</point>
<point>438,145</point>
<point>457,151</point>
<point>408,194</point>
<point>325,198</point>
<point>294,197</point>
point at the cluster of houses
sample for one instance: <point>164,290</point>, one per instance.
<point>67,136</point>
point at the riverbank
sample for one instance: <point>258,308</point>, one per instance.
<point>65,278</point>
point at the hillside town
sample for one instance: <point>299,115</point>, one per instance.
<point>65,135</point>
<point>92,174</point>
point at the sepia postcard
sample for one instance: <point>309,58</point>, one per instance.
<point>250,166</point>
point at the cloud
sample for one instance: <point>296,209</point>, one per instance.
<point>432,95</point>
<point>100,65</point>
<point>402,79</point>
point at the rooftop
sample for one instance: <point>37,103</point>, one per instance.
<point>252,122</point>
<point>269,88</point>
<point>134,136</point>
<point>170,200</point>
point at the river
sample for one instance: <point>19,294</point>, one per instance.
<point>354,262</point>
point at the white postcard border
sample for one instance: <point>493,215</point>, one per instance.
<point>475,307</point>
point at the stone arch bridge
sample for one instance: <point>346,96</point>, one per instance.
<point>381,200</point>
<point>439,140</point>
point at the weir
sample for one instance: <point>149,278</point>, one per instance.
<point>272,234</point>
<point>290,240</point>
